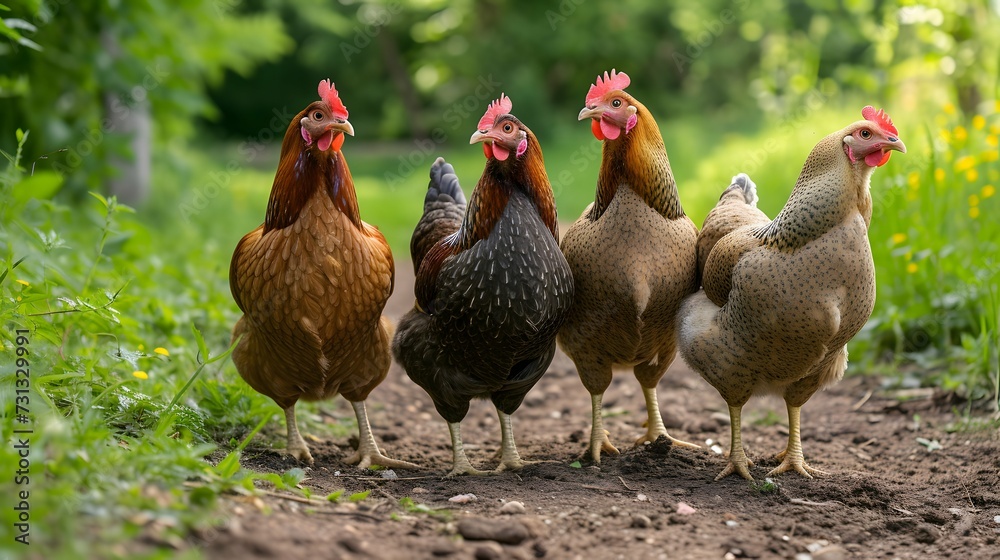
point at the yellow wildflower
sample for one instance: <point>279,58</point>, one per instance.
<point>23,282</point>
<point>964,163</point>
<point>913,179</point>
<point>978,122</point>
<point>939,174</point>
<point>991,155</point>
<point>960,133</point>
<point>992,140</point>
<point>140,375</point>
<point>911,268</point>
<point>996,105</point>
<point>988,191</point>
<point>946,135</point>
<point>949,109</point>
<point>898,238</point>
<point>161,351</point>
<point>971,175</point>
<point>974,212</point>
<point>973,200</point>
<point>995,129</point>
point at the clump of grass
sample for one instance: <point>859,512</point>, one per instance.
<point>767,486</point>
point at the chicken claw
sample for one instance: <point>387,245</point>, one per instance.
<point>510,460</point>
<point>654,423</point>
<point>738,460</point>
<point>791,458</point>
<point>599,440</point>
<point>296,446</point>
<point>368,452</point>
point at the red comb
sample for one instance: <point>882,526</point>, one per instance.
<point>616,80</point>
<point>328,93</point>
<point>880,118</point>
<point>498,107</point>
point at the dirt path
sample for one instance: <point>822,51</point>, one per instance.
<point>888,495</point>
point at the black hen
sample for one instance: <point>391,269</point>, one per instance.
<point>492,287</point>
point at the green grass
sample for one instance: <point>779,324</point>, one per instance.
<point>117,454</point>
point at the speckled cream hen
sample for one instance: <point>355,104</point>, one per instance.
<point>492,286</point>
<point>633,258</point>
<point>782,298</point>
<point>312,281</point>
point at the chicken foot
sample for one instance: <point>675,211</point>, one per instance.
<point>791,457</point>
<point>460,463</point>
<point>510,460</point>
<point>368,452</point>
<point>296,446</point>
<point>654,423</point>
<point>599,440</point>
<point>738,460</point>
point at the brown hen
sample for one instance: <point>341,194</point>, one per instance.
<point>312,282</point>
<point>633,258</point>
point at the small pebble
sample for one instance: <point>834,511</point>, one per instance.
<point>831,552</point>
<point>640,521</point>
<point>512,508</point>
<point>463,498</point>
<point>732,523</point>
<point>684,509</point>
<point>419,490</point>
<point>641,498</point>
<point>488,551</point>
<point>389,474</point>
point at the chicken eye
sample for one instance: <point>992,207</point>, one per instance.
<point>507,128</point>
<point>866,134</point>
<point>318,116</point>
<point>616,103</point>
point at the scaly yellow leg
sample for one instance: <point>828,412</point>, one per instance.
<point>460,463</point>
<point>296,446</point>
<point>654,422</point>
<point>368,452</point>
<point>791,457</point>
<point>510,460</point>
<point>738,460</point>
<point>598,435</point>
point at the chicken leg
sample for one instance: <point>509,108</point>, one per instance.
<point>460,463</point>
<point>296,446</point>
<point>791,457</point>
<point>510,460</point>
<point>654,422</point>
<point>368,452</point>
<point>599,440</point>
<point>738,460</point>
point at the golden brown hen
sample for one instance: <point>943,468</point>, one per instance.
<point>312,282</point>
<point>782,298</point>
<point>632,253</point>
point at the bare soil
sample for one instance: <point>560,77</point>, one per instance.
<point>887,495</point>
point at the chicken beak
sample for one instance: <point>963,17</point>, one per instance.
<point>344,127</point>
<point>894,144</point>
<point>480,136</point>
<point>590,113</point>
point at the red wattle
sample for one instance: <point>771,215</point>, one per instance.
<point>885,159</point>
<point>595,127</point>
<point>500,152</point>
<point>875,159</point>
<point>610,131</point>
<point>487,150</point>
<point>324,141</point>
<point>338,142</point>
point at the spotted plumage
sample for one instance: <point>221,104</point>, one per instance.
<point>492,286</point>
<point>783,297</point>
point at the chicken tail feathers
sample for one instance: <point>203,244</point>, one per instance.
<point>444,209</point>
<point>746,186</point>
